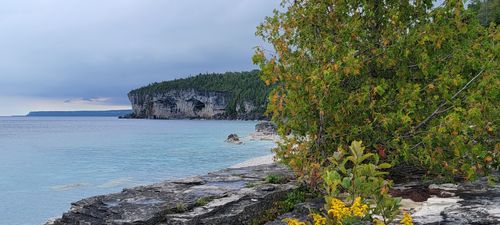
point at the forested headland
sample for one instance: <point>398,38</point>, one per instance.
<point>242,87</point>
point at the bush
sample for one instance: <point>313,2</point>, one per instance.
<point>364,191</point>
<point>202,201</point>
<point>280,207</point>
<point>275,179</point>
<point>419,84</point>
<point>293,198</point>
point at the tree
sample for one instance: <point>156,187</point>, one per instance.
<point>417,83</point>
<point>487,11</point>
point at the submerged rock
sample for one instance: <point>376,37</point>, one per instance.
<point>229,196</point>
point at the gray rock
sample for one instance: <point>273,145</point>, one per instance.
<point>188,104</point>
<point>179,104</point>
<point>479,204</point>
<point>234,139</point>
<point>241,195</point>
<point>464,203</point>
<point>266,127</point>
<point>221,197</point>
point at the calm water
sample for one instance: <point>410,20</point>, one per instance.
<point>47,163</point>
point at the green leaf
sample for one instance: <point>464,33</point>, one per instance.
<point>384,166</point>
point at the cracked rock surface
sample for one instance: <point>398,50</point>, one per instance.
<point>430,204</point>
<point>241,195</point>
<point>229,196</point>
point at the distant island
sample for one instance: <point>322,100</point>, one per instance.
<point>231,95</point>
<point>105,113</point>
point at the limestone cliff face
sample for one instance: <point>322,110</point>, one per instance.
<point>190,103</point>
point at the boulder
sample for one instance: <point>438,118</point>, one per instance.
<point>234,139</point>
<point>265,131</point>
<point>266,127</point>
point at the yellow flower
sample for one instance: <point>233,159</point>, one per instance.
<point>293,222</point>
<point>378,222</point>
<point>407,220</point>
<point>358,209</point>
<point>338,210</point>
<point>318,219</point>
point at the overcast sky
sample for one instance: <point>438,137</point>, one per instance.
<point>87,54</point>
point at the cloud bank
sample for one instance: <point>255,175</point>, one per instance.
<point>94,49</point>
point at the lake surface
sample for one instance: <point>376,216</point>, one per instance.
<point>48,162</point>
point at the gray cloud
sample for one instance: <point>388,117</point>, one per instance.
<point>102,49</point>
<point>95,100</point>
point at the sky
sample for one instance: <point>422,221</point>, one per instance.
<point>88,54</point>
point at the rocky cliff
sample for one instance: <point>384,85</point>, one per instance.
<point>208,96</point>
<point>179,104</point>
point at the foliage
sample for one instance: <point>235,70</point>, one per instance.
<point>363,188</point>
<point>280,207</point>
<point>275,179</point>
<point>487,11</point>
<point>360,175</point>
<point>250,184</point>
<point>180,208</point>
<point>417,83</point>
<point>243,86</point>
<point>292,198</point>
<point>203,201</point>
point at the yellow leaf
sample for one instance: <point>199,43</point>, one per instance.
<point>335,67</point>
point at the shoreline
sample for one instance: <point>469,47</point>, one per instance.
<point>240,194</point>
<point>228,196</point>
<point>256,161</point>
<point>142,158</point>
<point>260,161</point>
<point>264,159</point>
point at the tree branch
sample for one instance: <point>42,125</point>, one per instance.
<point>444,102</point>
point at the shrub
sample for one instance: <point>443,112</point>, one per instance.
<point>275,179</point>
<point>180,208</point>
<point>417,82</point>
<point>364,191</point>
<point>280,207</point>
<point>292,199</point>
<point>202,201</point>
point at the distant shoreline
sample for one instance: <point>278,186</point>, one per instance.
<point>80,113</point>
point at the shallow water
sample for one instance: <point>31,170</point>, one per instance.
<point>47,163</point>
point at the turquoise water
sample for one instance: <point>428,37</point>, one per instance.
<point>47,163</point>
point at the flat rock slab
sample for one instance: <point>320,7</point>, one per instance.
<point>446,204</point>
<point>229,196</point>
